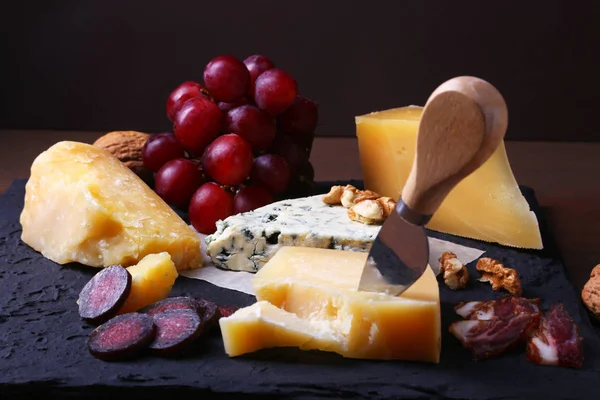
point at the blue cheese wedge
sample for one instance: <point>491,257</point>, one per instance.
<point>245,242</point>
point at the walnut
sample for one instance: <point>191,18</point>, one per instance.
<point>348,196</point>
<point>371,211</point>
<point>334,196</point>
<point>456,275</point>
<point>127,146</point>
<point>363,206</point>
<point>352,196</point>
<point>388,204</point>
<point>363,195</point>
<point>367,212</point>
<point>591,292</point>
<point>499,276</point>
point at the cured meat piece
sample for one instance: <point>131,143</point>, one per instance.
<point>482,310</point>
<point>492,327</point>
<point>557,340</point>
<point>206,309</point>
<point>209,313</point>
<point>226,311</point>
<point>505,307</point>
<point>176,330</point>
<point>174,303</point>
<point>489,338</point>
<point>104,294</point>
<point>121,337</point>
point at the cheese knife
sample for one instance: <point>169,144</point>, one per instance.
<point>463,122</point>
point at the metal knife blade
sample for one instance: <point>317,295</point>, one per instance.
<point>399,255</point>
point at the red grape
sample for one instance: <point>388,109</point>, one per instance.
<point>302,184</point>
<point>295,154</point>
<point>256,65</point>
<point>275,91</point>
<point>225,107</point>
<point>305,141</point>
<point>228,159</point>
<point>253,124</point>
<point>197,123</point>
<point>299,188</point>
<point>270,171</point>
<point>181,94</point>
<point>306,172</point>
<point>159,149</point>
<point>209,204</point>
<point>300,119</point>
<point>176,181</point>
<point>226,78</point>
<point>250,198</point>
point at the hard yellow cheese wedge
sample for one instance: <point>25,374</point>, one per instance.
<point>487,205</point>
<point>151,280</point>
<point>262,326</point>
<point>316,292</point>
<point>83,205</point>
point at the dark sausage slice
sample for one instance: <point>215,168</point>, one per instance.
<point>209,312</point>
<point>206,309</point>
<point>176,330</point>
<point>122,337</point>
<point>104,294</point>
<point>172,303</point>
<point>226,311</point>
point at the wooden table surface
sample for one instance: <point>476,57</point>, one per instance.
<point>565,177</point>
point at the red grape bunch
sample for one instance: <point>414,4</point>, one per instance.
<point>240,140</point>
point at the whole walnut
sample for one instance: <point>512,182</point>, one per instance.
<point>591,292</point>
<point>127,146</point>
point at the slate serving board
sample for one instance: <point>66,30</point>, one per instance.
<point>43,351</point>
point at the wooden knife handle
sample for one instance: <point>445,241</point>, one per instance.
<point>463,122</point>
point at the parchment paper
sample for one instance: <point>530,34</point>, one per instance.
<point>242,281</point>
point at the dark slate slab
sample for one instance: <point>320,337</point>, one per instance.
<point>43,352</point>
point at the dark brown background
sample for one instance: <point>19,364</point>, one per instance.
<point>71,64</point>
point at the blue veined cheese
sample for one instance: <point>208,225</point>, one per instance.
<point>245,242</point>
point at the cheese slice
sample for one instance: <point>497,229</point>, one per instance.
<point>262,326</point>
<point>83,205</point>
<point>487,205</point>
<point>318,290</point>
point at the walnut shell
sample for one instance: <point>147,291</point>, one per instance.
<point>456,275</point>
<point>127,146</point>
<point>591,292</point>
<point>499,276</point>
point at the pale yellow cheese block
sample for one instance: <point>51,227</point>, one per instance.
<point>151,280</point>
<point>487,205</point>
<point>263,326</point>
<point>317,289</point>
<point>83,205</point>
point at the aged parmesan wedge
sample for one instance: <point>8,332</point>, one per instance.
<point>320,308</point>
<point>487,205</point>
<point>262,325</point>
<point>83,205</point>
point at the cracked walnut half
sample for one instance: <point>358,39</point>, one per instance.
<point>500,277</point>
<point>363,206</point>
<point>456,275</point>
